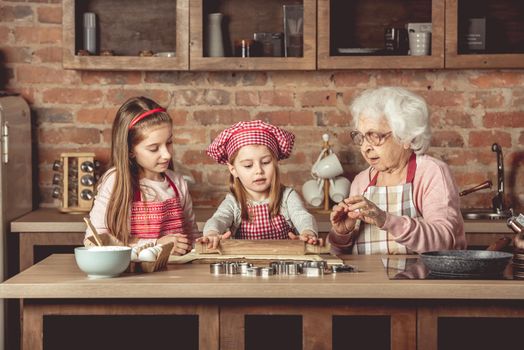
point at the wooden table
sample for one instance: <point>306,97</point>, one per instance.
<point>223,305</point>
<point>49,227</point>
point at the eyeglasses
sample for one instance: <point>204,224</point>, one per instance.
<point>374,138</point>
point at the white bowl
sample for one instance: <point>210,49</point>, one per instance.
<point>103,262</point>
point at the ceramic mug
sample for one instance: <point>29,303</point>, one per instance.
<point>328,167</point>
<point>339,188</point>
<point>313,193</point>
<point>419,43</point>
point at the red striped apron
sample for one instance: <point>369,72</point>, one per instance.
<point>396,200</point>
<point>156,219</point>
<point>262,226</point>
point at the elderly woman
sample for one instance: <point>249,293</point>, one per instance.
<point>406,201</point>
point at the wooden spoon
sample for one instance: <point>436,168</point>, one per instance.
<point>95,232</point>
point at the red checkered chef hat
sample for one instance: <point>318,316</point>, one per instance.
<point>255,132</point>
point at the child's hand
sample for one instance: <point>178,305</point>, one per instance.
<point>212,238</point>
<point>307,236</point>
<point>181,246</point>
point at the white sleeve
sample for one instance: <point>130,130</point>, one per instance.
<point>223,219</point>
<point>298,214</point>
<point>99,209</point>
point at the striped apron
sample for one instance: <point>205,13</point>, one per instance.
<point>262,226</point>
<point>156,219</point>
<point>396,200</point>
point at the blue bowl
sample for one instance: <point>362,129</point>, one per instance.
<point>103,262</point>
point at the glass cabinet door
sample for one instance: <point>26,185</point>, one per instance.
<point>484,33</point>
<point>253,35</point>
<point>125,35</point>
<point>380,34</point>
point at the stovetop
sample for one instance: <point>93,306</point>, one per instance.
<point>414,269</point>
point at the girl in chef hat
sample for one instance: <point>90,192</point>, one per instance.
<point>140,198</point>
<point>259,206</point>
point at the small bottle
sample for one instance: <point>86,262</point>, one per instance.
<point>90,32</point>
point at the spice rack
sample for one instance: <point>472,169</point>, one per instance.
<point>78,177</point>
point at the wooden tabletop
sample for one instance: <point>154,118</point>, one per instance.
<point>51,220</point>
<point>59,277</point>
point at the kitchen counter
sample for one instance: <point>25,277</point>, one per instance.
<point>50,227</point>
<point>59,277</point>
<point>414,308</point>
<point>52,220</point>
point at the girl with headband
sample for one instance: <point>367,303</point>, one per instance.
<point>259,206</point>
<point>140,198</point>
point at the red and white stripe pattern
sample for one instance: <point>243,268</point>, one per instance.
<point>256,132</point>
<point>262,225</point>
<point>156,219</point>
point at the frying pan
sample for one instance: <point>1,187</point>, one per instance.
<point>466,262</point>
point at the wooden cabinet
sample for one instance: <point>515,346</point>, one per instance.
<point>351,34</point>
<point>241,20</point>
<point>126,28</point>
<point>504,33</point>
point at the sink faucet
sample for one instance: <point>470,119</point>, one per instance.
<point>498,201</point>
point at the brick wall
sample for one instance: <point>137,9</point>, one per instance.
<point>73,110</point>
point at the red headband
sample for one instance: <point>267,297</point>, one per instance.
<point>145,114</point>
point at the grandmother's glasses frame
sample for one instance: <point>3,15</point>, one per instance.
<point>374,138</point>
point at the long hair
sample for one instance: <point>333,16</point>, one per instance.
<point>239,192</point>
<point>126,170</point>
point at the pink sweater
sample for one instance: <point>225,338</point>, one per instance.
<point>436,197</point>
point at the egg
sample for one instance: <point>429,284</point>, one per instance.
<point>148,254</point>
<point>134,253</point>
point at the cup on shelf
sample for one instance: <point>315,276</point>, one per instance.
<point>293,30</point>
<point>313,192</point>
<point>339,188</point>
<point>419,43</point>
<point>327,167</point>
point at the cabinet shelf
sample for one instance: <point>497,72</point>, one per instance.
<point>242,20</point>
<point>504,34</point>
<point>125,28</point>
<point>362,24</point>
<point>180,26</point>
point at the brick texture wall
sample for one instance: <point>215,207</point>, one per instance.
<point>73,110</point>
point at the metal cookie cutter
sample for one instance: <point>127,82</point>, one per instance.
<point>253,271</point>
<point>266,271</point>
<point>217,269</point>
<point>344,268</point>
<point>313,271</point>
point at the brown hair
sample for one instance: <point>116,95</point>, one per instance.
<point>239,192</point>
<point>126,170</point>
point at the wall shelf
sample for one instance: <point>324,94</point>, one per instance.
<point>126,29</point>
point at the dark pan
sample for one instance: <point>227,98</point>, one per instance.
<point>466,262</point>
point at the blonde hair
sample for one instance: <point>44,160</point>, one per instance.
<point>239,192</point>
<point>123,140</point>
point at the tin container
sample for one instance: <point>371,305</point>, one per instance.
<point>217,269</point>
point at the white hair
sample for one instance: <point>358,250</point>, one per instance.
<point>406,113</point>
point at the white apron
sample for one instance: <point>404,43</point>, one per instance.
<point>396,200</point>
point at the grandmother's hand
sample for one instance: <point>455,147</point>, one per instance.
<point>342,219</point>
<point>365,210</point>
